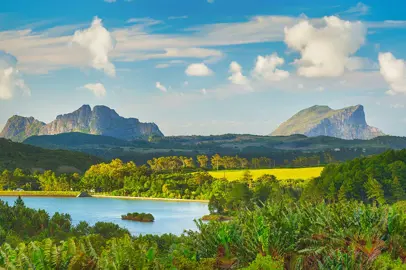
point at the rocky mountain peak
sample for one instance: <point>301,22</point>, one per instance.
<point>100,121</point>
<point>346,123</point>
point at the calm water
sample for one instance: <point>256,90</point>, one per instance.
<point>170,217</point>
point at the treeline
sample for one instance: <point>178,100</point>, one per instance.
<point>218,162</point>
<point>380,178</point>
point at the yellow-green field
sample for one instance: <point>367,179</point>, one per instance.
<point>282,174</point>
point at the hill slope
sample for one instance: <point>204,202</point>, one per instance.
<point>347,123</point>
<point>277,148</point>
<point>99,121</point>
<point>17,155</point>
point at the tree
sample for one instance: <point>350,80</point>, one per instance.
<point>203,160</point>
<point>216,161</point>
<point>397,190</point>
<point>216,204</point>
<point>374,191</point>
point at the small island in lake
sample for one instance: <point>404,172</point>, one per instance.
<point>141,217</point>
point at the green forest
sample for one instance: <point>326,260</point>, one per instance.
<point>351,217</point>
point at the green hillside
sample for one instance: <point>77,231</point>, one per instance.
<point>17,155</point>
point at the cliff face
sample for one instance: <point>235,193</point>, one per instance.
<point>99,121</point>
<point>348,123</point>
<point>19,128</point>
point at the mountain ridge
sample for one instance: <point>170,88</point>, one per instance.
<point>101,120</point>
<point>320,120</point>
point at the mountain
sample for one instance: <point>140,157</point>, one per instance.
<point>100,121</point>
<point>347,123</point>
<point>17,155</point>
<point>18,128</point>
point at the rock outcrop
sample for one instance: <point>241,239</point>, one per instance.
<point>348,123</point>
<point>100,121</point>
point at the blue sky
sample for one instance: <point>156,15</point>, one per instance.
<point>199,67</point>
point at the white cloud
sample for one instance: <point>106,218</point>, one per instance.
<point>144,21</point>
<point>170,64</point>
<point>204,91</point>
<point>325,51</point>
<point>300,86</point>
<point>97,89</point>
<point>394,72</point>
<point>236,74</point>
<point>185,83</point>
<point>359,9</point>
<point>99,42</point>
<point>162,65</point>
<point>397,106</point>
<point>266,68</point>
<point>210,1</point>
<point>40,51</point>
<point>110,1</point>
<point>198,69</point>
<point>161,87</point>
<point>9,77</point>
<point>177,17</point>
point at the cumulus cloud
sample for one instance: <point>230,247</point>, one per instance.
<point>266,68</point>
<point>97,89</point>
<point>236,74</point>
<point>99,43</point>
<point>9,77</point>
<point>199,70</point>
<point>204,91</point>
<point>161,87</point>
<point>325,51</point>
<point>394,72</point>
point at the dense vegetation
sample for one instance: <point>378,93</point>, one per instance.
<point>142,217</point>
<point>278,235</point>
<point>351,217</point>
<point>17,155</point>
<point>380,178</point>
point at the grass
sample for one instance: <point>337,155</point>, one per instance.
<point>281,174</point>
<point>39,193</point>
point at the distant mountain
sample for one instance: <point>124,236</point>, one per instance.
<point>17,155</point>
<point>347,123</point>
<point>100,121</point>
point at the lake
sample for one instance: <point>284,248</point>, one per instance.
<point>170,217</point>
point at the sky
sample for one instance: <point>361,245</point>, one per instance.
<point>201,67</point>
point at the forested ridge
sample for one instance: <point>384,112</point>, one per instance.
<point>380,178</point>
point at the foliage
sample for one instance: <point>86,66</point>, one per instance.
<point>380,178</point>
<point>142,217</point>
<point>16,155</point>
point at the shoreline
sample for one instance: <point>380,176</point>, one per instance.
<point>57,194</point>
<point>148,198</point>
<point>38,194</point>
